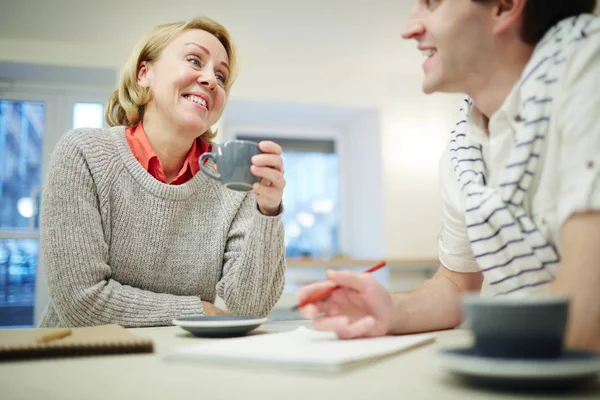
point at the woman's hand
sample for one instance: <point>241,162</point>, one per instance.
<point>210,310</point>
<point>269,167</point>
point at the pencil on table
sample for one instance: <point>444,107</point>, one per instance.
<point>54,335</point>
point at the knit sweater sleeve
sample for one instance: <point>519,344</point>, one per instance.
<point>76,254</point>
<point>254,262</point>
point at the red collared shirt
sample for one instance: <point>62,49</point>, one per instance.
<point>145,154</point>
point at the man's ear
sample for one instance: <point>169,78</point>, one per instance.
<point>508,15</point>
<point>144,74</point>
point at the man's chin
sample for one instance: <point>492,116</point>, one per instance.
<point>427,90</point>
<point>429,87</point>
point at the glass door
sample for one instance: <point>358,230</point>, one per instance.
<point>23,125</point>
<point>32,121</point>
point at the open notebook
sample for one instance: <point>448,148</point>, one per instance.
<point>93,340</point>
<point>302,348</point>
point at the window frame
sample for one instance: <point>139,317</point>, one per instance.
<point>340,145</point>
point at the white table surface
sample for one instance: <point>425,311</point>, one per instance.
<point>415,374</point>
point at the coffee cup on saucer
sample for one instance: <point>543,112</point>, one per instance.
<point>519,345</point>
<point>517,327</point>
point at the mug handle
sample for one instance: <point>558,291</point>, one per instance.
<point>215,175</point>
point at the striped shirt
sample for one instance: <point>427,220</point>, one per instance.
<point>546,135</point>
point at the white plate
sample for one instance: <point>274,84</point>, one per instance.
<point>572,368</point>
<point>219,326</point>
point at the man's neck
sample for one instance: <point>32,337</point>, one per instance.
<point>505,71</point>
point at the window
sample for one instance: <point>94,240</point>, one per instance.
<point>21,136</point>
<point>18,266</point>
<point>311,197</point>
<point>87,115</point>
<point>22,126</point>
<point>33,118</point>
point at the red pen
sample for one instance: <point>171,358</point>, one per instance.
<point>327,292</point>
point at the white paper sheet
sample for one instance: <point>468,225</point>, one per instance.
<point>302,348</point>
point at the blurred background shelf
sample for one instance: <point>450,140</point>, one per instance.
<point>400,274</point>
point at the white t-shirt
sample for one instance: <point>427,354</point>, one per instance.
<point>569,178</point>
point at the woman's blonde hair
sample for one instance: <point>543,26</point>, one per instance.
<point>126,105</point>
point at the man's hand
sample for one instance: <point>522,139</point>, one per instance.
<point>362,307</point>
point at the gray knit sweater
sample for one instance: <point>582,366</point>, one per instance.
<point>121,247</point>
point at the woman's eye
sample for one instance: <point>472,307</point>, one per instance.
<point>194,61</point>
<point>221,78</point>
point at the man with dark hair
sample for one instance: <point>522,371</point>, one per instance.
<point>540,15</point>
<point>520,177</point>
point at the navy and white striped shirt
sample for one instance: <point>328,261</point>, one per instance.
<point>507,194</point>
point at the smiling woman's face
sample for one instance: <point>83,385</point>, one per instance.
<point>187,83</point>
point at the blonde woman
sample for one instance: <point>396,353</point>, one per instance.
<point>131,233</point>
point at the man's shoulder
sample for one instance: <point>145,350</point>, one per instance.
<point>583,50</point>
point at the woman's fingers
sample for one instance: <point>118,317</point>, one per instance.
<point>269,147</point>
<point>273,177</point>
<point>268,160</point>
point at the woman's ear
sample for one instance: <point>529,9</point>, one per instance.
<point>144,74</point>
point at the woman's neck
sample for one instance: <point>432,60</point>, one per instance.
<point>170,146</point>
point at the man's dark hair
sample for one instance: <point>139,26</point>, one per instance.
<point>541,15</point>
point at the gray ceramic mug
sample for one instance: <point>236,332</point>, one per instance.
<point>233,159</point>
<point>513,327</point>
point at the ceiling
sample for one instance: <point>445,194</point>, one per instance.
<point>359,35</point>
<point>362,34</point>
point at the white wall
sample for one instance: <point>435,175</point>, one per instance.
<point>341,58</point>
<point>357,135</point>
<point>413,132</point>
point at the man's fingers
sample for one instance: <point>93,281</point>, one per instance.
<point>361,328</point>
<point>311,289</point>
<point>310,311</point>
<point>331,308</point>
<point>331,324</point>
<point>348,279</point>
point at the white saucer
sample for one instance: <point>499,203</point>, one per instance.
<point>572,368</point>
<point>219,326</point>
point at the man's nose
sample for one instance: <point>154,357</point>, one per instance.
<point>413,28</point>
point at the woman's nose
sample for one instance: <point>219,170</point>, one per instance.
<point>208,80</point>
